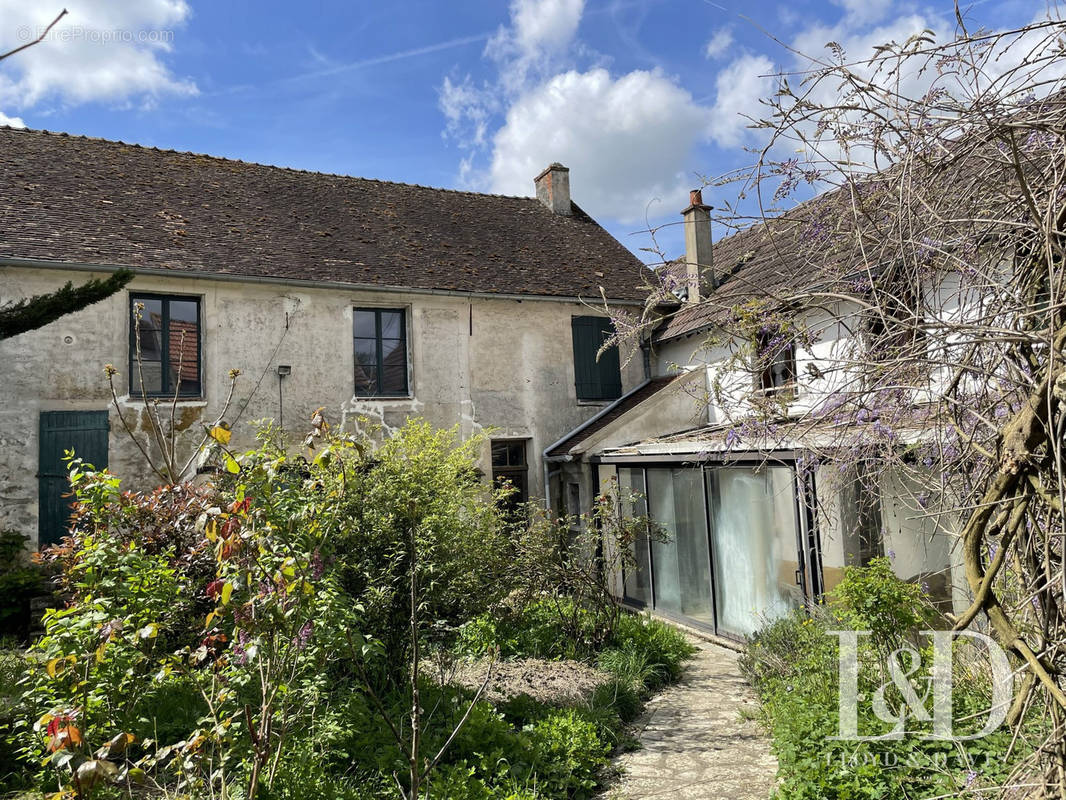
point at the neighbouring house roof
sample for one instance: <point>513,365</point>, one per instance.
<point>762,261</point>
<point>839,237</point>
<point>91,201</point>
<point>625,403</point>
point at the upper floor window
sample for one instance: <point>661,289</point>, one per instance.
<point>595,379</point>
<point>167,328</point>
<point>776,354</point>
<point>381,352</point>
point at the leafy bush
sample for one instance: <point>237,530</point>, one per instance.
<point>792,664</point>
<point>20,581</point>
<point>874,599</point>
<point>620,698</point>
<point>13,769</point>
<point>567,754</point>
<point>659,649</point>
<point>428,479</point>
<point>531,630</point>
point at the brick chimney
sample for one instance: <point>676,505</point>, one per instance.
<point>553,189</point>
<point>698,260</point>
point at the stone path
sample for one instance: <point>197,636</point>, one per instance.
<point>695,743</point>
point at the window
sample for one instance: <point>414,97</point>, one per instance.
<point>894,324</point>
<point>509,468</point>
<point>860,518</point>
<point>777,361</point>
<point>168,329</point>
<point>380,352</point>
<point>573,499</point>
<point>595,379</point>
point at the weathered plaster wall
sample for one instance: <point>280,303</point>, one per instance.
<point>480,363</point>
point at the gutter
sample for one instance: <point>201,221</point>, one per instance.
<point>268,280</point>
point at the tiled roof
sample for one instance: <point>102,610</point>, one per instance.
<point>80,200</point>
<point>846,234</point>
<point>610,414</point>
<point>763,261</point>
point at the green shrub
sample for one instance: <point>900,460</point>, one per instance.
<point>531,631</point>
<point>874,599</point>
<point>620,698</point>
<point>792,663</point>
<point>426,478</point>
<point>13,768</point>
<point>568,754</point>
<point>633,668</point>
<point>663,648</point>
<point>20,581</point>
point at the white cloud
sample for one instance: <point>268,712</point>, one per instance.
<point>863,11</point>
<point>626,140</point>
<point>467,110</point>
<point>750,78</point>
<point>740,86</point>
<point>718,45</point>
<point>103,50</point>
<point>537,39</point>
<point>14,122</point>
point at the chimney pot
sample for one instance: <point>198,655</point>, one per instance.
<point>553,189</point>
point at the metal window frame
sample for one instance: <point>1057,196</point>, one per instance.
<point>165,299</point>
<point>379,356</point>
<point>807,540</point>
<point>521,470</point>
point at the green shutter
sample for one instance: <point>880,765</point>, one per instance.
<point>595,380</point>
<point>84,432</point>
<point>610,371</point>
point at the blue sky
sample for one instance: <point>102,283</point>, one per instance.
<point>638,98</point>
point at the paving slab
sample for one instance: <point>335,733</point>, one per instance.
<point>698,740</point>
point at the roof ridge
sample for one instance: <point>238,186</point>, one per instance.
<point>101,139</point>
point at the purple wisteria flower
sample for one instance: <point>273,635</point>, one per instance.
<point>732,438</point>
<point>303,636</point>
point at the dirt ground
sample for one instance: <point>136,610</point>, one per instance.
<point>546,681</point>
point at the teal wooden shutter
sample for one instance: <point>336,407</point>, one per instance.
<point>84,432</point>
<point>585,377</point>
<point>610,370</point>
<point>595,380</point>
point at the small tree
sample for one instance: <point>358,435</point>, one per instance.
<point>40,310</point>
<point>571,562</point>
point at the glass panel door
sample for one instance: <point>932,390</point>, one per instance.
<point>681,571</point>
<point>637,575</point>
<point>753,531</point>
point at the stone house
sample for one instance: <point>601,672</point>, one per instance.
<point>377,301</point>
<point>753,532</point>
